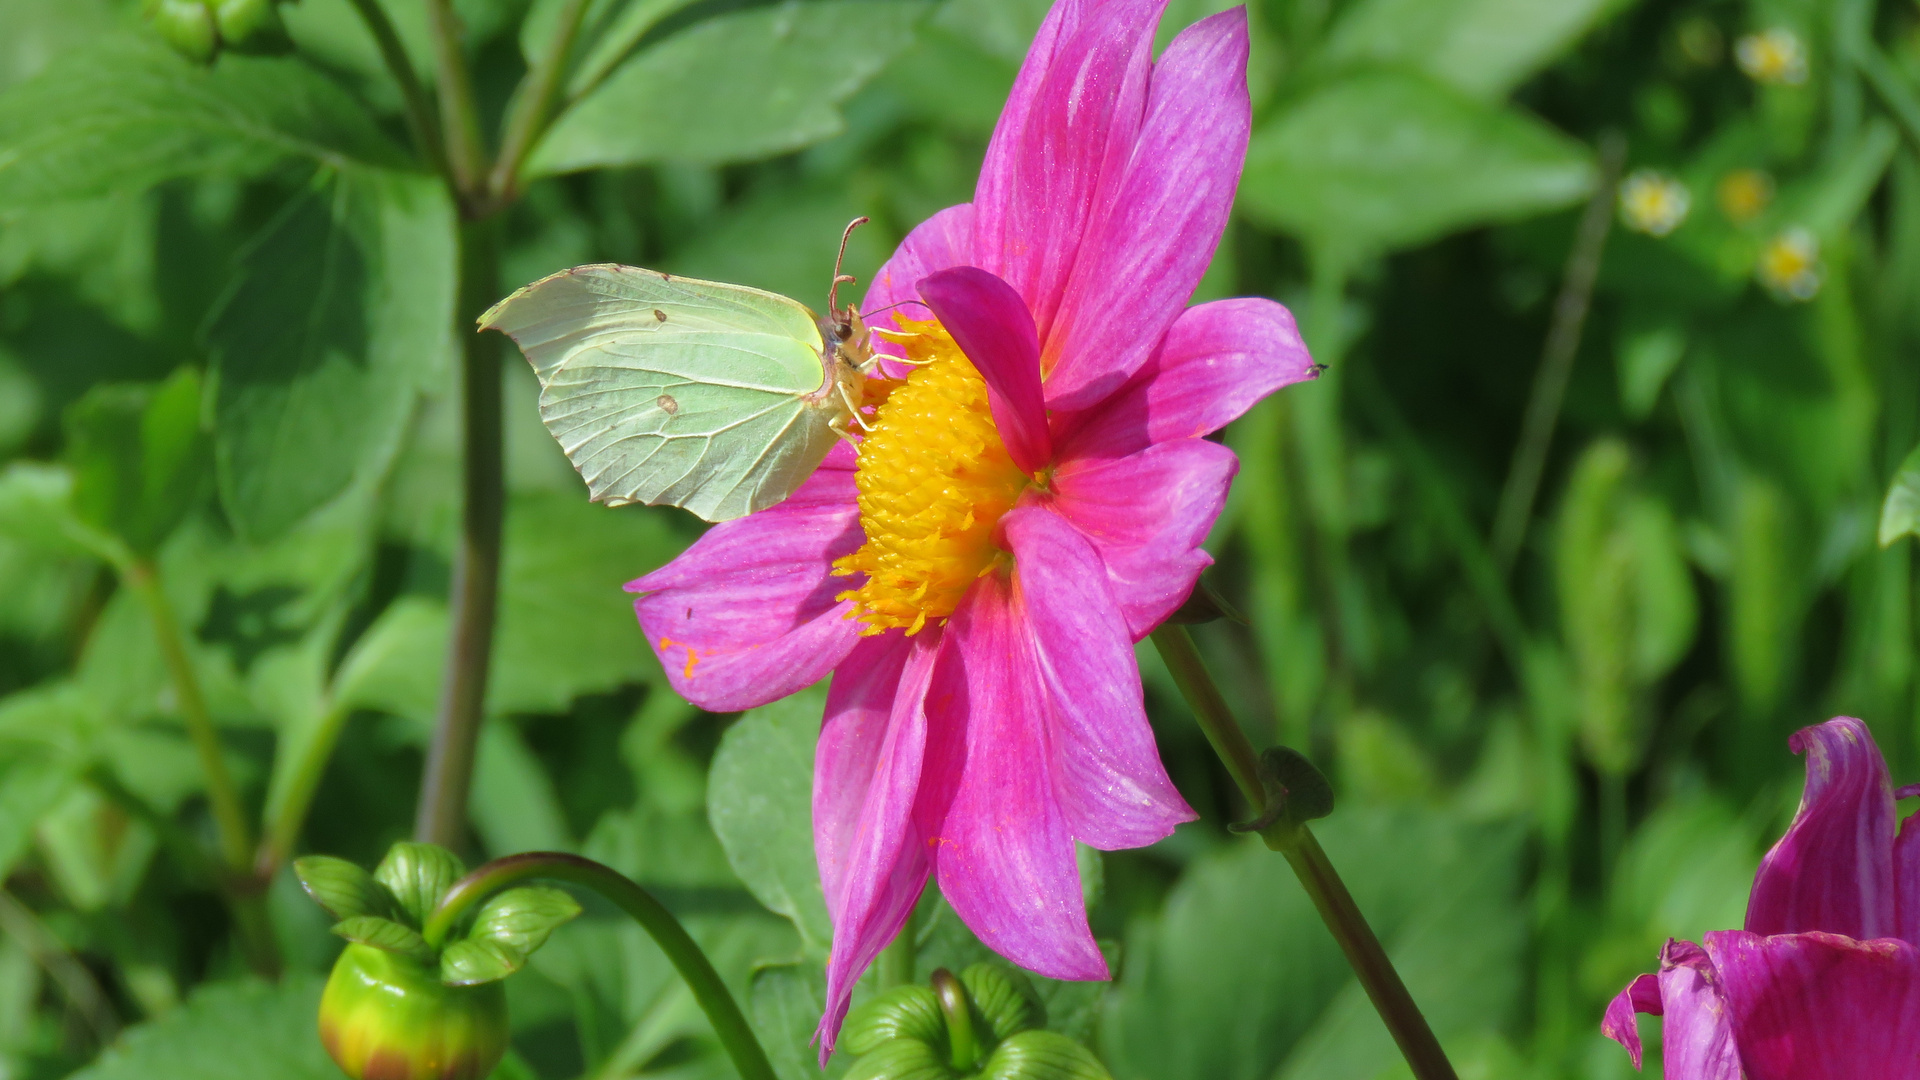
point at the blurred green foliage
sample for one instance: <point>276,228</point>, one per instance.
<point>227,360</point>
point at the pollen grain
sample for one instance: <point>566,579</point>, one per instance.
<point>934,480</point>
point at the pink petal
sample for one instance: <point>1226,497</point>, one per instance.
<point>1147,515</point>
<point>854,728</point>
<point>1218,360</point>
<point>1620,1023</point>
<point>1696,1041</point>
<point>990,323</point>
<point>874,867</point>
<point>1820,1006</point>
<point>1136,273</point>
<point>943,240</point>
<point>1107,776</point>
<point>747,615</point>
<point>1833,870</point>
<point>1060,148</point>
<point>1004,851</point>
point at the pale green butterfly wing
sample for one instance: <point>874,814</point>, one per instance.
<point>672,391</point>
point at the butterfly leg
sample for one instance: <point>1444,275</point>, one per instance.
<point>838,425</point>
<point>853,410</point>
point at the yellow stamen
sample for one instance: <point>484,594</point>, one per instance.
<point>934,481</point>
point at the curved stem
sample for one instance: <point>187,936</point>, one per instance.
<point>532,104</point>
<point>421,123</point>
<point>729,1023</point>
<point>1310,864</point>
<point>442,813</point>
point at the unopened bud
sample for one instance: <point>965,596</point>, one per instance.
<point>187,25</point>
<point>385,1016</point>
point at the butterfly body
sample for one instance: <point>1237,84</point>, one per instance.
<point>666,390</point>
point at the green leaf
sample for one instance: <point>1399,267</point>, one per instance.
<point>904,1012</point>
<point>343,888</point>
<point>1042,1055</point>
<point>1237,978</point>
<point>30,788</point>
<point>385,934</point>
<point>1900,514</point>
<point>514,805</point>
<point>608,32</point>
<point>1646,360</point>
<point>508,929</point>
<point>36,510</point>
<point>226,1031</point>
<point>139,458</point>
<point>127,115</point>
<point>1385,159</point>
<point>760,800</point>
<point>1481,47</point>
<point>338,312</point>
<point>418,875</point>
<point>566,627</point>
<point>40,30</point>
<point>745,85</point>
<point>786,1001</point>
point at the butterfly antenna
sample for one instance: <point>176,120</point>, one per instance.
<point>833,291</point>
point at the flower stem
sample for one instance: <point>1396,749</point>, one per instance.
<point>229,816</point>
<point>729,1023</point>
<point>442,812</point>
<point>421,123</point>
<point>289,802</point>
<point>460,118</point>
<point>1316,873</point>
<point>531,104</point>
<point>1556,358</point>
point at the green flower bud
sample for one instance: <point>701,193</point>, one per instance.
<point>400,1006</point>
<point>251,26</point>
<point>984,1023</point>
<point>385,1016</point>
<point>187,25</point>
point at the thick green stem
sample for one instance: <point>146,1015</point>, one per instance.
<point>532,103</point>
<point>421,123</point>
<point>896,966</point>
<point>442,811</point>
<point>229,815</point>
<point>1316,873</point>
<point>729,1023</point>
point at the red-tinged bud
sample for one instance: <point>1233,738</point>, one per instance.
<point>386,1016</point>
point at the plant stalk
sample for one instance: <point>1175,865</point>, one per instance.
<point>442,812</point>
<point>729,1023</point>
<point>286,810</point>
<point>422,125</point>
<point>460,119</point>
<point>532,104</point>
<point>244,896</point>
<point>1310,864</point>
<point>1556,359</point>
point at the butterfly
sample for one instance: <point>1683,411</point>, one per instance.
<point>671,391</point>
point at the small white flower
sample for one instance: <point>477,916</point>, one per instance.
<point>1653,202</point>
<point>1775,57</point>
<point>1790,265</point>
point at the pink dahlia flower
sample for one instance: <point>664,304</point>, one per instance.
<point>1824,982</point>
<point>1028,502</point>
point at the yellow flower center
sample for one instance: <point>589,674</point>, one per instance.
<point>934,479</point>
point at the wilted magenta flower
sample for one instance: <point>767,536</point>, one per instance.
<point>1029,502</point>
<point>1824,982</point>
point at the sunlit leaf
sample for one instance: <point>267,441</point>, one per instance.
<point>759,797</point>
<point>740,86</point>
<point>1384,159</point>
<point>1483,47</point>
<point>1900,513</point>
